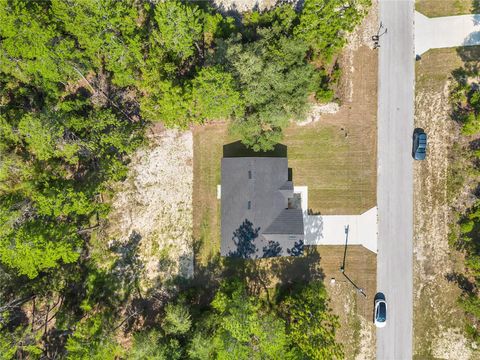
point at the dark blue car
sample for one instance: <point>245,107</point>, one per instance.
<point>419,145</point>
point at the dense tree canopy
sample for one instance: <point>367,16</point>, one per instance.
<point>245,329</point>
<point>310,325</point>
<point>275,81</point>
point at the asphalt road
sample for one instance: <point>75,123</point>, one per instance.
<point>395,178</point>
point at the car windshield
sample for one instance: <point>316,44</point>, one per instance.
<point>381,312</point>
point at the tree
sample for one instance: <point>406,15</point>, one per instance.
<point>324,24</point>
<point>39,135</point>
<point>150,345</point>
<point>179,30</point>
<point>275,81</point>
<point>214,95</point>
<point>37,246</point>
<point>178,42</point>
<point>200,346</point>
<point>281,19</point>
<point>18,343</point>
<point>258,133</point>
<point>90,341</point>
<point>177,319</point>
<point>108,33</point>
<point>169,104</point>
<point>245,329</point>
<point>32,49</point>
<point>310,325</point>
<point>466,102</point>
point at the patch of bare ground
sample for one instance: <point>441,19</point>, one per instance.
<point>240,6</point>
<point>438,320</point>
<point>152,209</point>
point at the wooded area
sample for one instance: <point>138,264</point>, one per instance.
<point>80,81</point>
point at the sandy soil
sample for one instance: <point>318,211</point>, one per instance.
<point>155,202</point>
<point>437,329</point>
<point>317,111</point>
<point>245,5</point>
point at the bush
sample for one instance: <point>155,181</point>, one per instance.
<point>467,226</point>
<point>324,95</point>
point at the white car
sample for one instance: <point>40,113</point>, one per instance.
<point>380,316</point>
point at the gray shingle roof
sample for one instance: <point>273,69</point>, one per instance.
<point>267,192</point>
<point>289,222</point>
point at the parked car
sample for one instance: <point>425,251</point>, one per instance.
<point>380,315</point>
<point>419,145</point>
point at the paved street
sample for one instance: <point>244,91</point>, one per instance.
<point>395,177</point>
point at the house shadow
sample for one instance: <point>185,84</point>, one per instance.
<point>275,275</point>
<point>473,39</point>
<point>313,229</point>
<point>238,149</point>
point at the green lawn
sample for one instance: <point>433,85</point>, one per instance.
<point>207,153</point>
<point>339,170</point>
<point>435,8</point>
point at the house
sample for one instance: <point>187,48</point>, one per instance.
<point>261,215</point>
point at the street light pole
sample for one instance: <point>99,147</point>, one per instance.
<point>342,268</point>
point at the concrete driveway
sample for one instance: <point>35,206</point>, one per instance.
<point>445,32</point>
<point>332,229</point>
